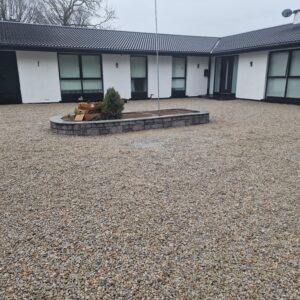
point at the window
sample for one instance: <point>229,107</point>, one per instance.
<point>276,87</point>
<point>139,77</point>
<point>178,76</point>
<point>284,75</point>
<point>278,64</point>
<point>295,64</point>
<point>293,88</point>
<point>69,66</point>
<point>80,75</point>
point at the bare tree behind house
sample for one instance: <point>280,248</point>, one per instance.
<point>26,11</point>
<point>84,13</point>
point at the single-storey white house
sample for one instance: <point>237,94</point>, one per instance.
<point>46,63</point>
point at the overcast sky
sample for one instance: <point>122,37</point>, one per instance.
<point>201,17</point>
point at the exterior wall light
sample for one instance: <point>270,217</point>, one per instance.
<point>117,65</point>
<point>251,63</point>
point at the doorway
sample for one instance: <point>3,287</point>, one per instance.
<point>178,77</point>
<point>9,79</point>
<point>139,78</point>
<point>225,77</point>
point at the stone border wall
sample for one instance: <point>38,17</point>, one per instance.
<point>93,128</point>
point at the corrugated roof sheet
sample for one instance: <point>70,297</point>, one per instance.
<point>60,37</point>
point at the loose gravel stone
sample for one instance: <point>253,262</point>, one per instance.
<point>200,212</point>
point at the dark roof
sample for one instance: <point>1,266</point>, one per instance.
<point>273,37</point>
<point>15,35</point>
<point>30,36</point>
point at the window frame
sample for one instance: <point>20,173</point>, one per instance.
<point>81,78</point>
<point>139,95</point>
<point>286,77</point>
<point>179,93</point>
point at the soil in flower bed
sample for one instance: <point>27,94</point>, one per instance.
<point>138,114</point>
<point>154,113</point>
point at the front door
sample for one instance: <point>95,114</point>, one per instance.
<point>226,75</point>
<point>9,79</point>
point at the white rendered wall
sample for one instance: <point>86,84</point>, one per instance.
<point>117,77</point>
<point>165,76</point>
<point>39,76</point>
<point>251,81</point>
<point>196,82</point>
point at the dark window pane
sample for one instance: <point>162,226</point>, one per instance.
<point>139,85</point>
<point>295,64</point>
<point>69,66</point>
<point>92,86</point>
<point>178,69</point>
<point>293,90</point>
<point>138,67</point>
<point>178,84</point>
<point>70,86</point>
<point>91,66</point>
<point>278,64</point>
<point>276,87</point>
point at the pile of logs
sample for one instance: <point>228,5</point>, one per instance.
<point>88,111</point>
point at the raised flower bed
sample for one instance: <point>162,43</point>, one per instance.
<point>133,121</point>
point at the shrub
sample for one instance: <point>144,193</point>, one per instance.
<point>113,105</point>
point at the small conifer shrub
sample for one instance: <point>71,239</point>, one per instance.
<point>113,105</point>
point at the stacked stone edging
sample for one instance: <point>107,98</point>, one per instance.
<point>93,128</point>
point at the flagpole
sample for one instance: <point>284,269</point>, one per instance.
<point>157,58</point>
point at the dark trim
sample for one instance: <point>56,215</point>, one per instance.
<point>139,96</point>
<point>14,83</point>
<point>219,96</point>
<point>282,100</point>
<point>287,71</point>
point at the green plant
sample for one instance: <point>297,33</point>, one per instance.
<point>113,105</point>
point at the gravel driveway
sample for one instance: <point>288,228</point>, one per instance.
<point>202,212</point>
